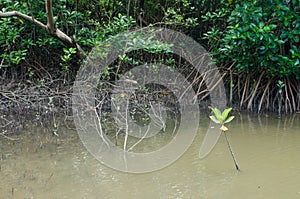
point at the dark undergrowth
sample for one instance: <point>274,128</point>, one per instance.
<point>23,102</point>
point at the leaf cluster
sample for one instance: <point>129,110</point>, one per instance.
<point>221,117</point>
<point>260,36</point>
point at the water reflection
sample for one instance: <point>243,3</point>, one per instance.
<point>41,165</point>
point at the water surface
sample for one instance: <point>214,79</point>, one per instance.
<point>40,165</point>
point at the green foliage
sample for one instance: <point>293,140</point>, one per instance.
<point>67,57</point>
<point>177,15</point>
<point>257,35</point>
<point>21,40</point>
<point>280,84</point>
<point>10,36</point>
<point>90,37</point>
<point>261,36</point>
<point>221,117</point>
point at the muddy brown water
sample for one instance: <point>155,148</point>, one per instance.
<point>40,165</point>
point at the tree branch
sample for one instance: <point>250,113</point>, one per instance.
<point>50,19</point>
<point>49,28</point>
<point>25,17</point>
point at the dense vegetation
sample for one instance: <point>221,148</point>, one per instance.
<point>255,44</point>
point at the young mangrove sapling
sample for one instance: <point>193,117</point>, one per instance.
<point>222,118</point>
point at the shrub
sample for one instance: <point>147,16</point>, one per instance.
<point>261,36</point>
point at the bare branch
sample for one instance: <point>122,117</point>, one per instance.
<point>50,19</point>
<point>9,138</point>
<point>26,17</point>
<point>30,8</point>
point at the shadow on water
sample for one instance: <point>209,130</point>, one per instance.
<point>43,164</point>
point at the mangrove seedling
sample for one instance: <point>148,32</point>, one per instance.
<point>222,118</point>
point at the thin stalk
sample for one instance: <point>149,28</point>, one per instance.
<point>231,88</point>
<point>244,95</point>
<point>268,99</point>
<point>126,127</point>
<point>239,87</point>
<point>263,96</point>
<point>231,151</point>
<point>254,92</point>
<point>279,105</point>
<point>292,95</point>
<point>288,104</point>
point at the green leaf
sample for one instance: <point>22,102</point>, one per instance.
<point>261,25</point>
<point>214,119</point>
<point>225,113</point>
<point>229,119</point>
<point>286,23</point>
<point>217,113</point>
